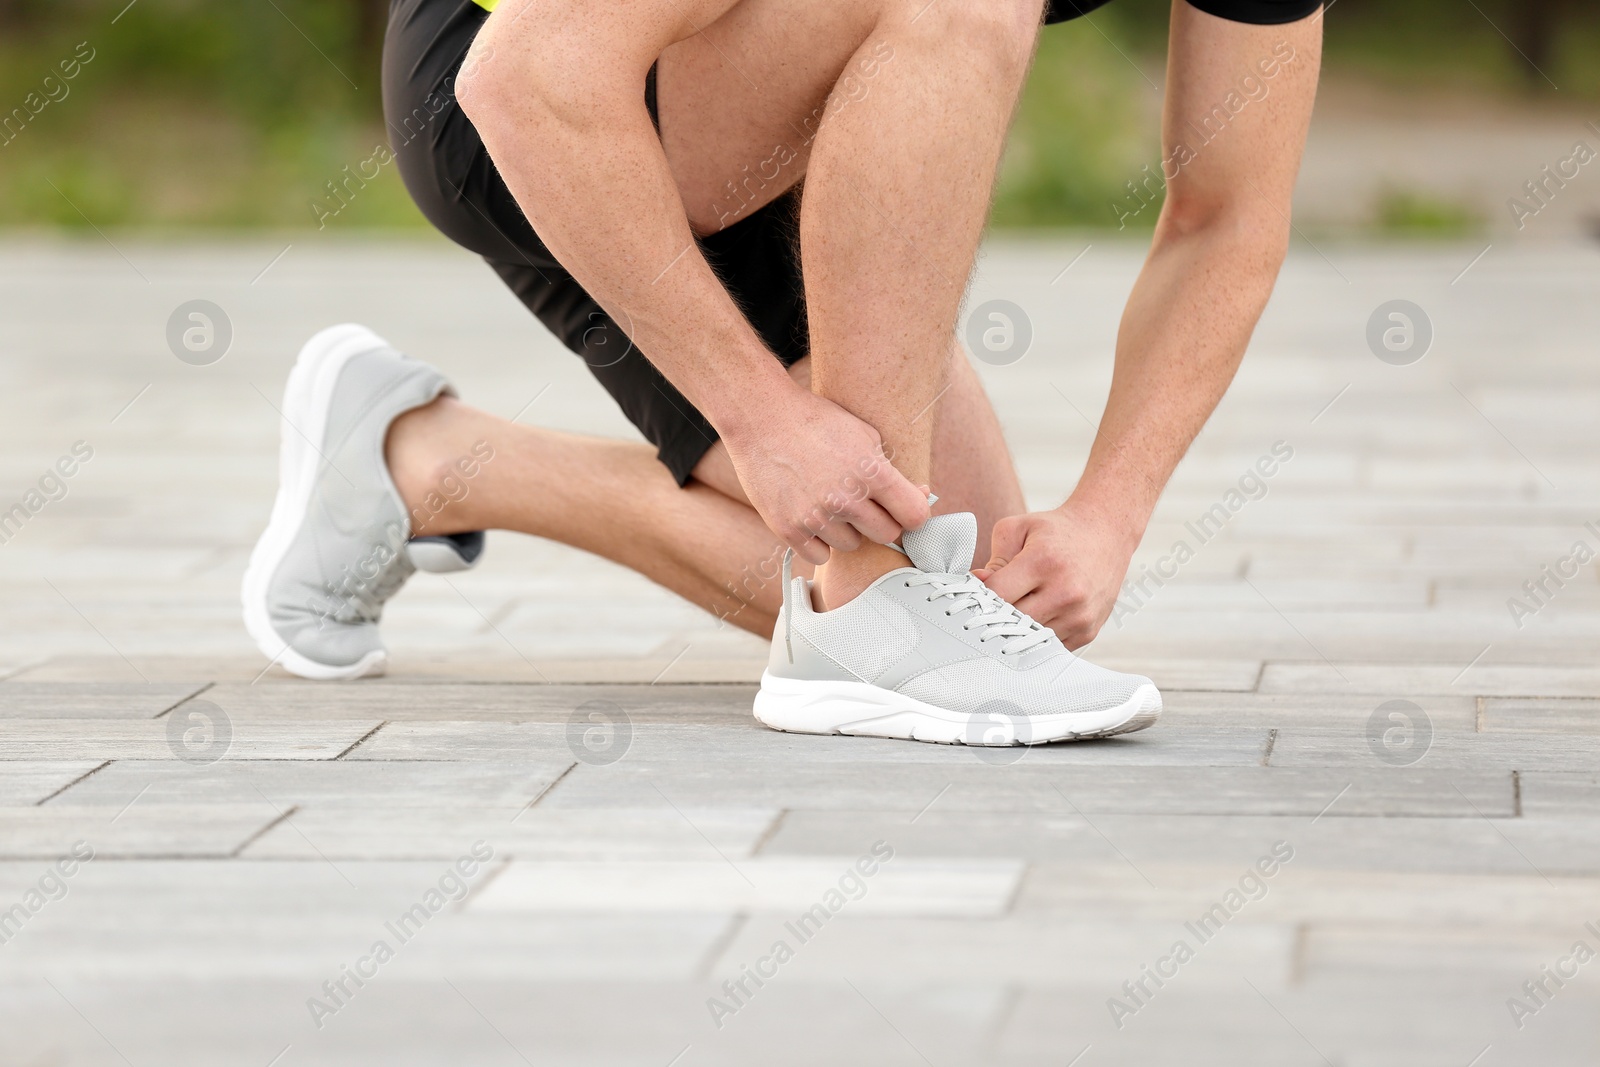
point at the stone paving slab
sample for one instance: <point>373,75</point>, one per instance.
<point>1027,787</point>
<point>240,946</point>
<point>142,830</point>
<point>400,702</point>
<point>90,700</point>
<point>443,831</point>
<point>1430,680</point>
<point>1554,794</point>
<point>956,889</point>
<point>1320,711</point>
<point>747,743</point>
<point>35,781</point>
<point>1570,716</point>
<point>1305,748</point>
<point>606,761</point>
<point>1556,831</point>
<point>489,1020</point>
<point>77,739</point>
<point>345,785</point>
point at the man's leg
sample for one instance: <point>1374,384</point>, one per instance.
<point>897,192</point>
<point>613,498</point>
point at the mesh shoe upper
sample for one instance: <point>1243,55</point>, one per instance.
<point>348,555</point>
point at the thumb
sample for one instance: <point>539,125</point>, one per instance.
<point>1007,541</point>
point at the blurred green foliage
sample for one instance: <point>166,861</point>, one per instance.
<point>1085,125</point>
<point>1415,213</point>
<point>195,114</point>
<point>190,114</point>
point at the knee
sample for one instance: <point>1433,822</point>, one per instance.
<point>1000,32</point>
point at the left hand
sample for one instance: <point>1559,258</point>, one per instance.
<point>1063,567</point>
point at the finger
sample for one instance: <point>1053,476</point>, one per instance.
<point>904,502</point>
<point>840,536</point>
<point>1037,606</point>
<point>1015,580</point>
<point>874,523</point>
<point>1072,626</point>
<point>812,550</point>
<point>1006,542</point>
<point>981,573</point>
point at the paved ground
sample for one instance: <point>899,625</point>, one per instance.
<point>1370,816</point>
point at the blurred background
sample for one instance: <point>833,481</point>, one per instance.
<point>185,115</point>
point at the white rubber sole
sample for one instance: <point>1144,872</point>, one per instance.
<point>306,398</point>
<point>862,710</point>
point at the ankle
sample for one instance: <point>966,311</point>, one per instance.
<point>847,574</point>
<point>433,481</point>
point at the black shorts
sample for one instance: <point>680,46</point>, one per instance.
<point>455,184</point>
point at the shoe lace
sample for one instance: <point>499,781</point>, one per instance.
<point>992,616</point>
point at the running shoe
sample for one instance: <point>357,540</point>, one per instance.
<point>930,653</point>
<point>338,545</point>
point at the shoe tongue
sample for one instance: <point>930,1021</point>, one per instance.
<point>944,544</point>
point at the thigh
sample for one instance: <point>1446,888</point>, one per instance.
<point>435,147</point>
<point>741,100</point>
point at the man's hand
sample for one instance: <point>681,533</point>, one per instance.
<point>1063,567</point>
<point>818,477</point>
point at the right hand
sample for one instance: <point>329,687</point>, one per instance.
<point>818,477</point>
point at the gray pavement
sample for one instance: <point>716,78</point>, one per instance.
<point>1367,831</point>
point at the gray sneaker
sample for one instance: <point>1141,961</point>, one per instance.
<point>338,544</point>
<point>930,653</point>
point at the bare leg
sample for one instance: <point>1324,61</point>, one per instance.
<point>897,191</point>
<point>612,498</point>
<point>615,499</point>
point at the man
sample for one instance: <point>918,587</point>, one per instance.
<point>641,164</point>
